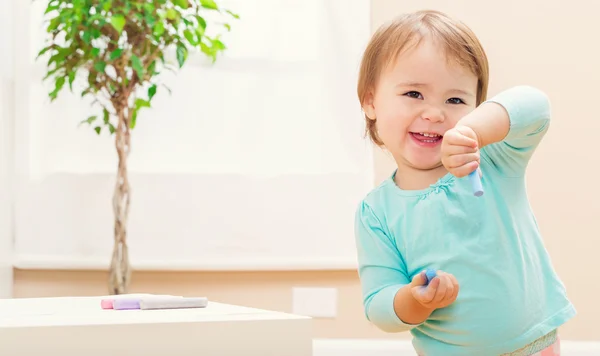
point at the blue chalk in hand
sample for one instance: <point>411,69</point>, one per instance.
<point>430,273</point>
<point>476,183</point>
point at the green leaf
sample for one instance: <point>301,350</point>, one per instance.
<point>105,116</point>
<point>43,51</point>
<point>118,22</point>
<point>171,14</point>
<point>151,91</point>
<point>150,19</point>
<point>115,54</point>
<point>141,103</point>
<point>208,50</point>
<point>54,23</point>
<point>209,4</point>
<point>159,29</point>
<point>189,36</point>
<point>234,15</point>
<point>59,56</point>
<point>96,33</point>
<point>53,72</point>
<point>71,79</point>
<point>218,45</point>
<point>58,85</point>
<point>94,18</point>
<point>89,120</point>
<point>100,66</point>
<point>201,24</point>
<point>152,68</point>
<point>136,63</point>
<point>182,53</point>
<point>87,37</point>
<point>111,128</point>
<point>95,52</point>
<point>181,3</point>
<point>51,7</point>
<point>98,129</point>
<point>133,119</point>
<point>149,7</point>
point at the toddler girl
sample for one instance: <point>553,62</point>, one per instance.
<point>423,85</point>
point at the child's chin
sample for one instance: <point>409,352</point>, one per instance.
<point>425,162</point>
<point>426,167</point>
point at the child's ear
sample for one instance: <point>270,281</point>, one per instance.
<point>368,106</point>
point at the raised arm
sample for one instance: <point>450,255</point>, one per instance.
<point>510,127</point>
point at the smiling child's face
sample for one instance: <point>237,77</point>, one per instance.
<point>417,99</point>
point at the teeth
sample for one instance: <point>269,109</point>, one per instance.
<point>427,134</point>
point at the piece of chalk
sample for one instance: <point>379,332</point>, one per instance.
<point>126,304</point>
<point>476,183</point>
<point>109,302</point>
<point>430,273</point>
<point>106,304</point>
<point>173,303</point>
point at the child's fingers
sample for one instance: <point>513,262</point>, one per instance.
<point>453,149</point>
<point>455,286</point>
<point>440,292</point>
<point>465,170</point>
<point>450,289</point>
<point>419,279</point>
<point>457,138</point>
<point>427,294</point>
<point>456,161</point>
<point>467,132</point>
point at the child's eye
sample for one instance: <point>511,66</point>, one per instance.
<point>456,101</point>
<point>414,94</point>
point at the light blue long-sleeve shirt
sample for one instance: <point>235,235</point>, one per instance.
<point>510,294</point>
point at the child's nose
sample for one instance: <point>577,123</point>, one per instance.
<point>433,114</point>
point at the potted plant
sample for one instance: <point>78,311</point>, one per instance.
<point>116,51</point>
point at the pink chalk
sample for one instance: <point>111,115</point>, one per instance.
<point>107,304</point>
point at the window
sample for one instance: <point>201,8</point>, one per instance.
<point>256,161</point>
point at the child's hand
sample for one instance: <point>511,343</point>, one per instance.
<point>441,291</point>
<point>460,154</point>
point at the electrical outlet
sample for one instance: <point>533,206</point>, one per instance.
<point>315,302</point>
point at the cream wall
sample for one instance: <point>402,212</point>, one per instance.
<point>555,52</point>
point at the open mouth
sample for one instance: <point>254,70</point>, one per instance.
<point>426,138</point>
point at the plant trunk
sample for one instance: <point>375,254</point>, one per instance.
<point>120,269</point>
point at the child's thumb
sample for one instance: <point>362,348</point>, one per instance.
<point>419,279</point>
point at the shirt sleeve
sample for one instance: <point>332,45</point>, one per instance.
<point>381,269</point>
<point>529,113</point>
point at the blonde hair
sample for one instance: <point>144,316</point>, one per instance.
<point>458,41</point>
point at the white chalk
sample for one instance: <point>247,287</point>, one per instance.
<point>173,303</point>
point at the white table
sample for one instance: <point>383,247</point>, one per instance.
<point>77,326</point>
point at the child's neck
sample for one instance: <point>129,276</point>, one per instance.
<point>408,178</point>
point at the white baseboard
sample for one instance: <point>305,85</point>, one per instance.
<point>371,347</point>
